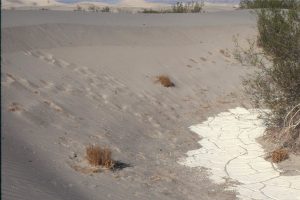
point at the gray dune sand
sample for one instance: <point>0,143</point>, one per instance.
<point>71,79</point>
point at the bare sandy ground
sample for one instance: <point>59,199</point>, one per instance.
<point>70,79</point>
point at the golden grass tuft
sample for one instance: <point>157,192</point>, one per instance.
<point>98,156</point>
<point>165,81</point>
<point>279,155</point>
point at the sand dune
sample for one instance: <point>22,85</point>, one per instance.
<point>70,79</point>
<point>56,5</point>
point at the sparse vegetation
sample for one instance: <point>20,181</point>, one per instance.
<point>276,83</point>
<point>97,156</point>
<point>105,9</point>
<point>78,8</point>
<point>279,155</point>
<point>93,8</point>
<point>189,7</point>
<point>281,4</point>
<point>165,81</point>
<point>180,7</point>
<point>152,11</point>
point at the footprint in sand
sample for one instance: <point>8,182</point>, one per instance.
<point>194,61</point>
<point>203,59</point>
<point>53,106</point>
<point>47,85</point>
<point>225,53</point>
<point>9,79</point>
<point>15,107</point>
<point>48,58</point>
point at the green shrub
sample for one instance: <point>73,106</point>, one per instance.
<point>283,4</point>
<point>276,83</point>
<point>105,9</point>
<point>149,11</point>
<point>180,7</point>
<point>189,7</point>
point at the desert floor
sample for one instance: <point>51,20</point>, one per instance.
<point>70,79</point>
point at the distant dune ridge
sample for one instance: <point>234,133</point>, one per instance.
<point>6,4</point>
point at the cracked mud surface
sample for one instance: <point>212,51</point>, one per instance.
<point>229,150</point>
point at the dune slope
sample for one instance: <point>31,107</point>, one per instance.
<point>71,79</point>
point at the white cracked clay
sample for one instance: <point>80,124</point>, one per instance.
<point>229,150</point>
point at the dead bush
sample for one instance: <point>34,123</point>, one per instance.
<point>98,156</point>
<point>279,155</point>
<point>165,81</point>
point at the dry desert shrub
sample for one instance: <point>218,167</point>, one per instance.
<point>98,156</point>
<point>165,81</point>
<point>279,155</point>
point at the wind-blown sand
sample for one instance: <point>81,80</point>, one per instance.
<point>70,79</point>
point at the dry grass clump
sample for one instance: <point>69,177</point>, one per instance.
<point>165,81</point>
<point>98,156</point>
<point>279,155</point>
